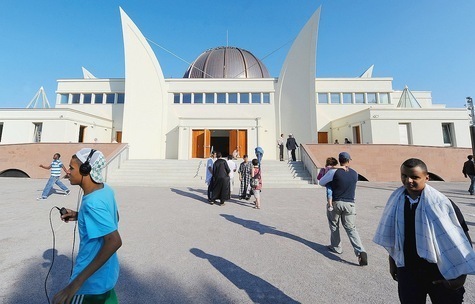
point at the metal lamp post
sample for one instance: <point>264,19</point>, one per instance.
<point>472,122</point>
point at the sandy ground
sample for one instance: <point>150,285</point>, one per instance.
<point>179,249</point>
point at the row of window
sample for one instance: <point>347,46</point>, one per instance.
<point>353,98</point>
<point>221,98</point>
<point>92,98</point>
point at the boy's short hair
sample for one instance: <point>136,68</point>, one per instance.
<point>331,161</point>
<point>415,162</point>
<point>59,155</point>
<point>255,162</point>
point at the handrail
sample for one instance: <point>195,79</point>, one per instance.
<point>116,160</point>
<point>309,164</point>
<point>198,170</point>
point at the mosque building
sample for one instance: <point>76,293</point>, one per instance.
<point>227,100</point>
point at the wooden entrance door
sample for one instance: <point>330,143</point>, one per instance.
<point>242,142</point>
<point>198,142</point>
<point>323,137</point>
<point>357,134</point>
<point>233,140</point>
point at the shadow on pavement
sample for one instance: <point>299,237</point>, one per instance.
<point>259,290</point>
<point>263,229</point>
<point>131,287</point>
<point>190,195</point>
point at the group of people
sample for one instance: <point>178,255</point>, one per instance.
<point>424,232</point>
<point>220,178</point>
<point>290,144</point>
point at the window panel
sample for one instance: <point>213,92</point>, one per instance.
<point>176,98</point>
<point>98,98</point>
<point>75,98</point>
<point>221,97</point>
<point>371,97</point>
<point>322,98</point>
<point>266,97</point>
<point>359,98</point>
<point>198,98</point>
<point>110,98</point>
<point>120,98</point>
<point>243,97</point>
<point>64,98</point>
<point>209,97</point>
<point>347,98</point>
<point>447,134</point>
<point>87,98</point>
<point>256,97</point>
<point>335,97</point>
<point>232,97</point>
<point>186,98</point>
<point>384,98</point>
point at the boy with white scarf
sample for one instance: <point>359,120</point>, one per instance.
<point>426,236</point>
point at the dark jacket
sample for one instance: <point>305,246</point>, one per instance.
<point>291,143</point>
<point>468,168</point>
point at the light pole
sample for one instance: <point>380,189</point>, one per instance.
<point>472,122</point>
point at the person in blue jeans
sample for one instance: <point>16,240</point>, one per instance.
<point>55,166</point>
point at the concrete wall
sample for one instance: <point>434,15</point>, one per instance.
<point>28,157</point>
<point>381,163</point>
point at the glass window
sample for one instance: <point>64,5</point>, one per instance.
<point>37,132</point>
<point>266,97</point>
<point>87,98</point>
<point>335,97</point>
<point>256,97</point>
<point>186,98</point>
<point>120,98</point>
<point>347,98</point>
<point>243,97</point>
<point>232,97</point>
<point>221,97</point>
<point>110,98</point>
<point>371,97</point>
<point>1,131</point>
<point>322,98</point>
<point>75,98</point>
<point>98,98</point>
<point>384,98</point>
<point>447,134</point>
<point>64,98</point>
<point>198,98</point>
<point>176,98</point>
<point>359,98</point>
<point>209,97</point>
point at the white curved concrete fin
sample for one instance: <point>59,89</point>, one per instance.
<point>296,85</point>
<point>368,73</point>
<point>86,74</point>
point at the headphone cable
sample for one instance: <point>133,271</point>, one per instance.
<point>52,259</point>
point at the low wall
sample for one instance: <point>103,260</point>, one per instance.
<point>28,157</point>
<point>381,163</point>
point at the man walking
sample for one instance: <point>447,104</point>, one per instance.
<point>343,182</point>
<point>55,166</point>
<point>209,172</point>
<point>291,145</point>
<point>469,171</point>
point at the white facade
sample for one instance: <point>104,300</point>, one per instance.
<point>162,118</point>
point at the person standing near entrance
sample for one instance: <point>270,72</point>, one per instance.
<point>233,167</point>
<point>209,172</point>
<point>55,166</point>
<point>259,153</point>
<point>469,171</point>
<point>245,178</point>
<point>280,144</point>
<point>291,145</point>
<point>220,181</point>
<point>344,211</point>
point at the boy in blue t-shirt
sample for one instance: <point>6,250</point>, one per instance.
<point>97,267</point>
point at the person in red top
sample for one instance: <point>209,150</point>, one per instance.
<point>256,190</point>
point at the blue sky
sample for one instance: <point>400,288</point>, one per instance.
<point>428,45</point>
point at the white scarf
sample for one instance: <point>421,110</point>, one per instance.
<point>439,237</point>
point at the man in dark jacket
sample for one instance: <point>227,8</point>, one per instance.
<point>469,171</point>
<point>291,145</point>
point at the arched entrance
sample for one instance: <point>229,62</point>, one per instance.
<point>225,141</point>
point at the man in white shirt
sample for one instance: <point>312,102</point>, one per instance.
<point>209,172</point>
<point>232,165</point>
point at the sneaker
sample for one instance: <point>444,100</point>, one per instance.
<point>66,193</point>
<point>41,198</point>
<point>363,258</point>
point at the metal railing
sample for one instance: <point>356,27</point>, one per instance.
<point>308,164</point>
<point>115,162</point>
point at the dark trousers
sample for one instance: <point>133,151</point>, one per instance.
<point>293,155</point>
<point>415,284</point>
<point>281,152</point>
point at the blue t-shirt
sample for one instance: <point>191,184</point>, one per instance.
<point>97,217</point>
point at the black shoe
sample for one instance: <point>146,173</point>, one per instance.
<point>363,258</point>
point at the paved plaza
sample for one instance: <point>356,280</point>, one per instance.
<point>179,249</point>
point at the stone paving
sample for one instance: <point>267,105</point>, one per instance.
<point>179,249</point>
